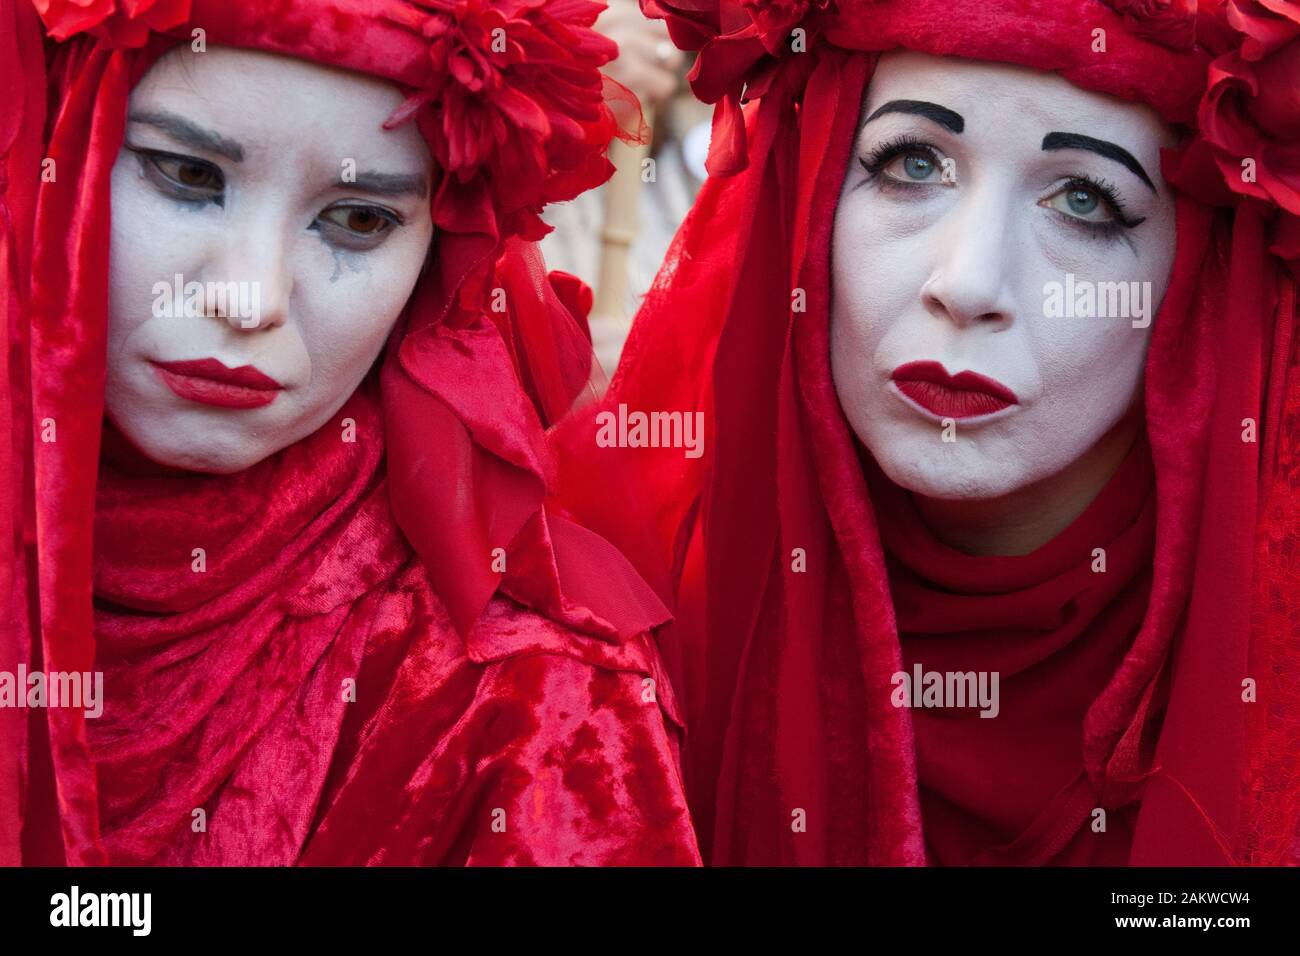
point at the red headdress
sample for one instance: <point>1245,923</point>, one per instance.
<point>786,671</point>
<point>508,96</point>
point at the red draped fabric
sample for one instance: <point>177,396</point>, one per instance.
<point>799,589</point>
<point>345,677</point>
<point>310,695</point>
<point>1054,625</point>
<point>21,126</point>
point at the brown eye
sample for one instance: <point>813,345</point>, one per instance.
<point>365,221</point>
<point>190,173</point>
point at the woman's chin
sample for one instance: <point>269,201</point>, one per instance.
<point>948,474</point>
<point>214,455</point>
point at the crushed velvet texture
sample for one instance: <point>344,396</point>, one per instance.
<point>22,119</point>
<point>226,683</point>
<point>784,665</point>
<point>1269,831</point>
<point>1012,789</point>
<point>308,692</point>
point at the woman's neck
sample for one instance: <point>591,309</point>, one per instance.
<point>1024,520</point>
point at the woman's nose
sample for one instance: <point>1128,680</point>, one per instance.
<point>969,283</point>
<point>250,280</point>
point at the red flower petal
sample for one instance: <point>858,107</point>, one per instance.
<point>64,18</point>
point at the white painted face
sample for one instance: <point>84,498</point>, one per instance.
<point>986,211</point>
<point>267,184</point>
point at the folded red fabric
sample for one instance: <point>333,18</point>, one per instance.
<point>350,680</point>
<point>785,672</point>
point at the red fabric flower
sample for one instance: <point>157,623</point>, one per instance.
<point>743,45</point>
<point>118,22</point>
<point>1251,110</point>
<point>1143,9</point>
<point>775,19</point>
<point>738,40</point>
<point>1171,23</point>
<point>518,113</point>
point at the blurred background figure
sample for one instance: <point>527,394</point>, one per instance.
<point>615,237</point>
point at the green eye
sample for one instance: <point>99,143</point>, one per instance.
<point>909,166</point>
<point>1080,201</point>
<point>905,162</point>
<point>917,166</point>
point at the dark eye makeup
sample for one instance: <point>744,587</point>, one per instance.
<point>1085,191</point>
<point>1082,194</point>
<point>905,146</point>
<point>355,226</point>
<point>187,179</point>
<point>197,182</point>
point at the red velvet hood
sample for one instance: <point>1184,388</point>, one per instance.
<point>780,470</point>
<point>467,391</point>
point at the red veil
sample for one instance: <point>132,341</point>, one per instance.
<point>786,670</point>
<point>456,453</point>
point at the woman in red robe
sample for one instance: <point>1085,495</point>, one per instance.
<point>916,469</point>
<point>337,616</point>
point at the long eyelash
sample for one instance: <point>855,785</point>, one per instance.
<point>1109,195</point>
<point>903,143</point>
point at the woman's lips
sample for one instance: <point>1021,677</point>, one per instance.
<point>209,382</point>
<point>964,395</point>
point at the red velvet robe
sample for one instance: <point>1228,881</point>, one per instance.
<point>304,698</point>
<point>317,660</point>
<point>1177,692</point>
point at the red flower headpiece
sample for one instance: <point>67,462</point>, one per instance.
<point>508,94</point>
<point>1251,112</point>
<point>1249,97</point>
<point>1170,23</point>
<point>743,45</point>
<point>516,100</point>
<point>1248,142</point>
<point>116,22</point>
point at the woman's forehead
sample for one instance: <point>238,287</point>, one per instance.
<point>255,101</point>
<point>993,98</point>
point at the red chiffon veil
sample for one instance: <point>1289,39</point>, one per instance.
<point>718,333</point>
<point>468,386</point>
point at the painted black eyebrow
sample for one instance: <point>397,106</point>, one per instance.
<point>931,111</point>
<point>1102,148</point>
<point>387,184</point>
<point>182,130</point>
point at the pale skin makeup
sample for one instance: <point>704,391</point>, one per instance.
<point>274,173</point>
<point>973,189</point>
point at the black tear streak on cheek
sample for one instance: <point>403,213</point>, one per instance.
<point>356,264</point>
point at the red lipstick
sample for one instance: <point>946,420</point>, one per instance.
<point>208,382</point>
<point>964,395</point>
